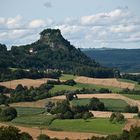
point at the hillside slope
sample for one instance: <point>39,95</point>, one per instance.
<point>126,60</point>
<point>52,51</point>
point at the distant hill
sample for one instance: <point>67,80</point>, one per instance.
<point>126,60</point>
<point>52,51</point>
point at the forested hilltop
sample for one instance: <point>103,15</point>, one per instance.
<point>52,51</point>
<point>126,60</point>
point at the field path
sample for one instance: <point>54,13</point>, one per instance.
<point>34,132</point>
<point>112,82</point>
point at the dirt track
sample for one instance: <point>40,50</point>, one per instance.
<point>105,82</point>
<point>34,132</point>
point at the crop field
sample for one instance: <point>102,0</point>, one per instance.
<point>67,77</point>
<point>26,111</point>
<point>137,86</point>
<point>63,87</point>
<point>110,104</point>
<point>102,126</point>
<point>25,82</point>
<point>97,87</point>
<point>132,96</point>
<point>42,120</point>
<point>105,82</point>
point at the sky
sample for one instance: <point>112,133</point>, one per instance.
<point>85,23</point>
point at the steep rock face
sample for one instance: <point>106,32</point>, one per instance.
<point>53,51</point>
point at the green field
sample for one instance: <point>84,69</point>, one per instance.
<point>63,87</point>
<point>110,104</point>
<point>132,96</point>
<point>24,111</point>
<point>81,86</point>
<point>102,126</point>
<point>97,87</point>
<point>34,120</point>
<point>32,117</point>
<point>67,77</point>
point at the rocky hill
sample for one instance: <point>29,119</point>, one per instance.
<point>52,51</point>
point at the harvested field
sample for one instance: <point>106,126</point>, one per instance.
<point>132,123</point>
<point>25,82</point>
<point>34,132</point>
<point>105,82</point>
<point>105,114</point>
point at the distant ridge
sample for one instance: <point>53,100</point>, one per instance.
<point>126,60</point>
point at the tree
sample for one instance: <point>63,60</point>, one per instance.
<point>8,114</point>
<point>134,133</point>
<point>9,133</point>
<point>70,96</point>
<point>68,115</point>
<point>43,137</point>
<point>117,117</point>
<point>131,109</point>
<point>70,82</point>
<point>19,88</point>
<point>25,136</point>
<point>95,104</point>
<point>87,115</point>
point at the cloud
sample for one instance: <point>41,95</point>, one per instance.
<point>48,4</point>
<point>36,23</point>
<point>122,28</point>
<point>106,29</point>
<point>104,18</point>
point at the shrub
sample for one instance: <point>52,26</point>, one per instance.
<point>104,90</point>
<point>70,82</point>
<point>25,136</point>
<point>68,115</point>
<point>43,137</point>
<point>8,114</point>
<point>117,117</point>
<point>95,104</point>
<point>131,109</point>
<point>87,115</point>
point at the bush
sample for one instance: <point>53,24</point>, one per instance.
<point>13,133</point>
<point>139,114</point>
<point>68,115</point>
<point>25,136</point>
<point>43,137</point>
<point>117,117</point>
<point>95,104</point>
<point>70,96</point>
<point>104,90</point>
<point>70,82</point>
<point>87,115</point>
<point>131,109</point>
<point>8,114</point>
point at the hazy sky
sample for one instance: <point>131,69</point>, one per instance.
<point>86,23</point>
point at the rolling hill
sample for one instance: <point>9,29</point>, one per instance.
<point>126,60</point>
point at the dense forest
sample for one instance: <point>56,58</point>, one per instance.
<point>52,51</point>
<point>126,60</point>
